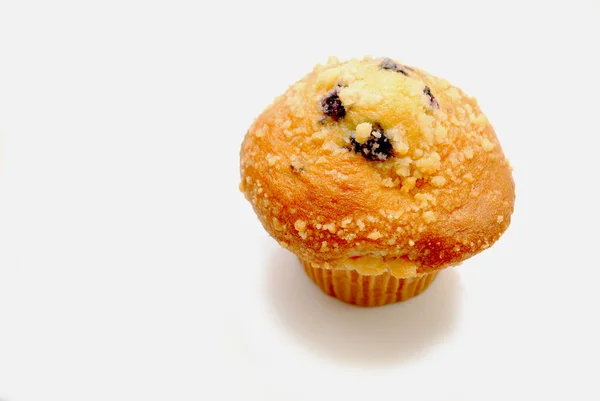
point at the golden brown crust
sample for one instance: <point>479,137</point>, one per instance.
<point>444,195</point>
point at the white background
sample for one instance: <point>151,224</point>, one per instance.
<point>131,268</point>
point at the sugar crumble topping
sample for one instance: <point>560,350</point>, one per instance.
<point>410,132</point>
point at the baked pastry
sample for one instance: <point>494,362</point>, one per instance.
<point>376,175</point>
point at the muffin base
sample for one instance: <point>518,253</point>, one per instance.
<point>363,290</point>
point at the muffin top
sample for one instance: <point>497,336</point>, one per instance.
<point>377,166</point>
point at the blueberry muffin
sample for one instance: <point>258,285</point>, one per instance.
<point>376,175</point>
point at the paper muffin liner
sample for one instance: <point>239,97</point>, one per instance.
<point>367,290</point>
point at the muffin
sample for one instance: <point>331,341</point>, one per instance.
<point>376,175</point>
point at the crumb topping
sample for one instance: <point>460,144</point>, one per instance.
<point>367,157</point>
<point>363,132</point>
